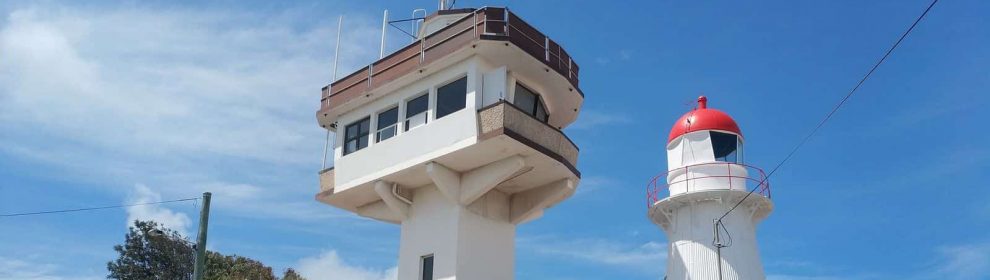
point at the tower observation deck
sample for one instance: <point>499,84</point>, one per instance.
<point>456,138</point>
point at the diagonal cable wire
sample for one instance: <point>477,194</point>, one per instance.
<point>96,208</point>
<point>403,30</point>
<point>835,109</point>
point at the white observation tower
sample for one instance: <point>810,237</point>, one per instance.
<point>456,138</point>
<point>706,176</point>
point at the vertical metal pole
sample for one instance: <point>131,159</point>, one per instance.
<point>381,51</point>
<point>326,149</point>
<point>415,24</point>
<point>336,48</point>
<point>718,248</point>
<point>506,17</point>
<point>546,48</point>
<point>336,53</point>
<point>204,219</point>
<point>729,167</point>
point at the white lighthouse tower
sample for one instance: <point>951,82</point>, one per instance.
<point>457,139</point>
<point>706,176</point>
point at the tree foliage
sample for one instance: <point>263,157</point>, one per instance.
<point>290,274</point>
<point>147,257</point>
<point>153,252</point>
<point>221,267</point>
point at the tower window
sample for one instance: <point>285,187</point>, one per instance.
<point>530,102</point>
<point>387,123</point>
<point>426,268</point>
<point>416,111</point>
<point>356,135</point>
<point>451,97</point>
<point>724,146</point>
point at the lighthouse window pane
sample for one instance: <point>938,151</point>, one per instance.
<point>739,151</point>
<point>724,146</point>
<point>356,135</point>
<point>451,97</point>
<point>416,111</point>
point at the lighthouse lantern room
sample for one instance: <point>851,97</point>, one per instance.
<point>706,176</point>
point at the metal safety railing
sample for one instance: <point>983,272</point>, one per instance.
<point>489,23</point>
<point>751,177</point>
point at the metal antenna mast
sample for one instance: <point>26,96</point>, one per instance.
<point>381,51</point>
<point>336,53</point>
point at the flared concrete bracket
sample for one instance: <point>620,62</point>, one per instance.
<point>447,180</point>
<point>399,207</point>
<point>465,188</point>
<point>379,211</point>
<point>478,182</point>
<point>525,204</point>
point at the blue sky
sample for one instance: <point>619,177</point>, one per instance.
<point>120,102</point>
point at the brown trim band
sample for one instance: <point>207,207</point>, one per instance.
<point>529,143</point>
<point>503,101</point>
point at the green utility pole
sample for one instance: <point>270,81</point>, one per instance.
<point>204,219</point>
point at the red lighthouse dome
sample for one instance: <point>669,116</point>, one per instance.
<point>703,118</point>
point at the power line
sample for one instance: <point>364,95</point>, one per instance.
<point>96,208</point>
<point>836,108</point>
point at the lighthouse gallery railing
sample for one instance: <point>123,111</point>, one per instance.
<point>659,185</point>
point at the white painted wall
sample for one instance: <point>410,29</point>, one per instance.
<point>691,253</point>
<point>690,149</point>
<point>692,166</point>
<point>418,145</point>
<point>438,22</point>
<point>494,84</point>
<point>464,244</point>
<point>486,246</point>
<point>430,229</point>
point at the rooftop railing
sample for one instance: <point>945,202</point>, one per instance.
<point>745,177</point>
<point>489,23</point>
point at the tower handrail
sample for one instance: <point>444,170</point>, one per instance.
<point>656,186</point>
<point>514,30</point>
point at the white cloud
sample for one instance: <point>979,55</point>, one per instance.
<point>19,269</point>
<point>155,212</point>
<point>594,183</point>
<point>625,54</point>
<point>801,277</point>
<point>591,119</point>
<point>621,55</point>
<point>644,256</point>
<point>835,276</point>
<point>155,83</point>
<point>185,100</point>
<point>963,262</point>
<point>28,270</point>
<point>329,266</point>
